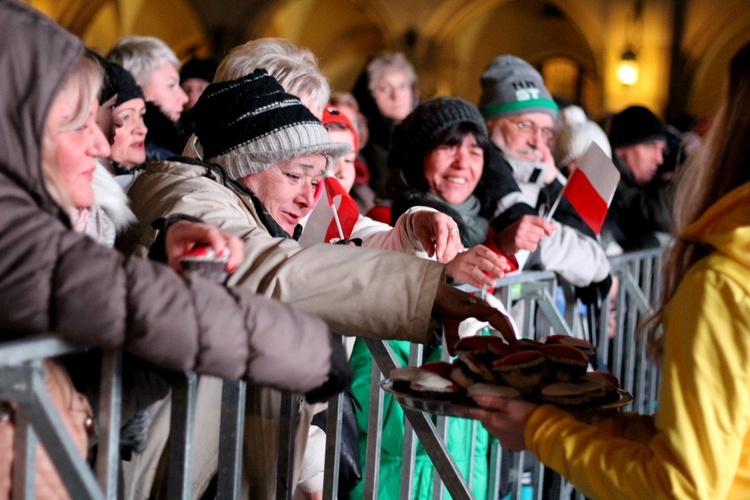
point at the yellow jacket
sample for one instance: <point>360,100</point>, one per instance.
<point>697,445</point>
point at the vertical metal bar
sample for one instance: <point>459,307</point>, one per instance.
<point>41,412</point>
<point>287,434</point>
<point>441,428</point>
<point>229,474</point>
<point>24,475</point>
<point>493,482</point>
<point>374,434</point>
<point>333,446</point>
<point>409,444</point>
<point>181,436</point>
<point>110,405</point>
<point>472,453</point>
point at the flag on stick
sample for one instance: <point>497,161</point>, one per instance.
<point>334,216</point>
<point>591,187</point>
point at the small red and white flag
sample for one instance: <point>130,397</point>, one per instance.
<point>333,217</point>
<point>591,187</point>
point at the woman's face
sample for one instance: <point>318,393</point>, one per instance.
<point>453,172</point>
<point>128,147</point>
<point>394,95</point>
<point>287,190</point>
<point>71,149</point>
<point>163,89</point>
<point>343,168</point>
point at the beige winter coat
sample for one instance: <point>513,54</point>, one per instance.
<point>357,291</point>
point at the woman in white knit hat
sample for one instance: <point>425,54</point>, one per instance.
<point>576,133</point>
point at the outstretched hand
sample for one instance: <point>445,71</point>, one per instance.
<point>524,234</point>
<point>479,266</point>
<point>504,418</point>
<point>183,236</point>
<point>452,306</point>
<point>437,233</point>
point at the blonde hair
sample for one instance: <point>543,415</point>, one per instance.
<point>295,69</point>
<point>81,87</point>
<point>722,165</point>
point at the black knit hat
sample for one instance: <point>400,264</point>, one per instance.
<point>203,69</point>
<point>635,125</point>
<point>249,124</point>
<point>127,89</point>
<point>109,83</point>
<point>413,137</point>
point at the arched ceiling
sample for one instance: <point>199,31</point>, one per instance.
<point>342,48</point>
<point>450,41</point>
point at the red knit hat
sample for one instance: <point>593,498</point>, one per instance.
<point>333,115</point>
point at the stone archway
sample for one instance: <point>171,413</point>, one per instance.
<point>709,51</point>
<point>462,40</point>
<point>99,23</point>
<point>342,34</point>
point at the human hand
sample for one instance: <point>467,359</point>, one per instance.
<point>183,236</point>
<point>452,306</point>
<point>550,173</point>
<point>472,265</point>
<point>437,233</point>
<point>504,418</point>
<point>339,376</point>
<point>524,234</point>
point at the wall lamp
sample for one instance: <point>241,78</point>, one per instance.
<point>627,69</point>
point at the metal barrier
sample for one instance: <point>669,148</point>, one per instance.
<point>530,294</point>
<point>22,381</point>
<point>532,297</point>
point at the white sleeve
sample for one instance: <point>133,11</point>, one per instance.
<point>400,238</point>
<point>577,258</point>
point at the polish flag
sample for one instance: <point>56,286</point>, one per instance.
<point>333,217</point>
<point>591,186</point>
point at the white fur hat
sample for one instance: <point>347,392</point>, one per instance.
<point>575,135</point>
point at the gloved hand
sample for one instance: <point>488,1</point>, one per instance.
<point>593,294</point>
<point>339,376</point>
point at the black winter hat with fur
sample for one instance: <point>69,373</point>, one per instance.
<point>635,125</point>
<point>127,89</point>
<point>203,69</point>
<point>413,137</point>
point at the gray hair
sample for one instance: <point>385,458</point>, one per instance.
<point>296,69</point>
<point>389,61</point>
<point>141,55</point>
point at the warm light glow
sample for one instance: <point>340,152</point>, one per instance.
<point>627,70</point>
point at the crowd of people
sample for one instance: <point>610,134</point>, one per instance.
<point>113,166</point>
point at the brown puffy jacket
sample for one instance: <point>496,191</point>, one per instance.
<point>53,279</point>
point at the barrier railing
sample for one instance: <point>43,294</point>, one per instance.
<point>532,298</point>
<point>530,295</point>
<point>36,419</point>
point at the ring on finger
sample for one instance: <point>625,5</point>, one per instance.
<point>453,229</point>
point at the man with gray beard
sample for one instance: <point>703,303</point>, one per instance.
<point>520,116</point>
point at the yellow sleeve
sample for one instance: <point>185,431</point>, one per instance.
<point>696,449</point>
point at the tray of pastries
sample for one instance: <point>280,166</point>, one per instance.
<point>552,372</point>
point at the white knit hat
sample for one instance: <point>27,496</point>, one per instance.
<point>575,135</point>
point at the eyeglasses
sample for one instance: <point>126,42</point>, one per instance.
<point>531,129</point>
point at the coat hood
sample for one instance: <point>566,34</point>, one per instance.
<point>35,59</point>
<point>726,226</point>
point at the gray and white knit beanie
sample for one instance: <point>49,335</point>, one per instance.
<point>249,124</point>
<point>512,86</point>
